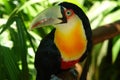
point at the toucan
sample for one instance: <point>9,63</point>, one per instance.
<point>68,43</point>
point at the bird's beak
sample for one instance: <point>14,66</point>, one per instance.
<point>50,16</point>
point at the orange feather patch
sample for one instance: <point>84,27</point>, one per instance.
<point>72,44</point>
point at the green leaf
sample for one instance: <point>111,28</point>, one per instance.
<point>10,20</point>
<point>111,17</point>
<point>14,39</point>
<point>99,8</point>
<point>23,46</point>
<point>10,64</point>
<point>7,6</point>
<point>7,25</point>
<point>115,50</point>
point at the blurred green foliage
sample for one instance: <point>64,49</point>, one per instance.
<point>18,43</point>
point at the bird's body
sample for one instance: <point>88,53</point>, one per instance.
<point>65,45</point>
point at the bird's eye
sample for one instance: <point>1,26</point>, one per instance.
<point>68,13</point>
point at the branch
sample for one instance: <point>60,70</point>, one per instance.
<point>106,32</point>
<point>99,34</point>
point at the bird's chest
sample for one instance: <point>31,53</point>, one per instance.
<point>71,44</point>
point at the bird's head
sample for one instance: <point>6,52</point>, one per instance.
<point>58,15</point>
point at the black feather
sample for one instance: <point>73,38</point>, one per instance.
<point>47,58</point>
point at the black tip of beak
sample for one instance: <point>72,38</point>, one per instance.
<point>64,20</point>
